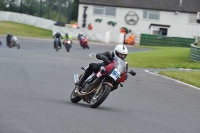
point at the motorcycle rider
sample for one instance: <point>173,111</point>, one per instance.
<point>67,36</point>
<point>80,35</point>
<point>59,36</point>
<point>120,50</point>
<point>8,39</point>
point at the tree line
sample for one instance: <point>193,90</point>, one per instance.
<point>57,10</point>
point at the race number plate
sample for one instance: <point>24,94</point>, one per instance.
<point>115,74</point>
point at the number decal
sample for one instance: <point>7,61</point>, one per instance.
<point>115,74</point>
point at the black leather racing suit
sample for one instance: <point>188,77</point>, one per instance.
<point>79,35</point>
<point>8,39</point>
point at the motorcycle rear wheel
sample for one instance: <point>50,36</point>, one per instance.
<point>74,98</point>
<point>98,99</point>
<point>56,47</point>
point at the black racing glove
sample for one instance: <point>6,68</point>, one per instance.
<point>105,59</point>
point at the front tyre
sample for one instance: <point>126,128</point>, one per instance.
<point>67,47</point>
<point>74,98</point>
<point>17,45</point>
<point>98,99</point>
<point>87,46</point>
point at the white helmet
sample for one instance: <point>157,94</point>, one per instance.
<point>121,51</point>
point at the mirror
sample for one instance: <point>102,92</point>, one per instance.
<point>132,73</point>
<point>83,68</point>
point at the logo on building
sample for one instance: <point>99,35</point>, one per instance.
<point>131,18</point>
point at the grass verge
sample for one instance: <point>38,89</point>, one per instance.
<point>168,57</point>
<point>18,29</point>
<point>190,77</point>
<point>163,57</point>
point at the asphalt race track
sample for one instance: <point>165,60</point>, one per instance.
<point>36,83</point>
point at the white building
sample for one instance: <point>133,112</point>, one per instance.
<point>166,17</point>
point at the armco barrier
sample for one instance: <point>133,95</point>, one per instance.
<point>195,53</point>
<point>158,40</point>
<point>27,19</point>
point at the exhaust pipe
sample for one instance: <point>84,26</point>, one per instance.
<point>76,78</point>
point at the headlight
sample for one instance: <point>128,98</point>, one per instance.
<point>68,41</point>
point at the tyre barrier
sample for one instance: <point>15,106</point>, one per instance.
<point>195,53</point>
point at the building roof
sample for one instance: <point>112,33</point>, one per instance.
<point>190,6</point>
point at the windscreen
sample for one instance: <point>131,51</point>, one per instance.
<point>120,64</point>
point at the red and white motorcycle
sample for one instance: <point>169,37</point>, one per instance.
<point>83,42</point>
<point>101,83</point>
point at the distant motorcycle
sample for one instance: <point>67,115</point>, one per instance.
<point>83,42</point>
<point>14,42</point>
<point>57,41</point>
<point>68,44</point>
<point>0,43</point>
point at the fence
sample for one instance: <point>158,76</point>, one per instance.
<point>27,19</point>
<point>157,40</point>
<point>195,53</point>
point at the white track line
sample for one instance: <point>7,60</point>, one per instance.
<point>92,55</point>
<point>172,79</point>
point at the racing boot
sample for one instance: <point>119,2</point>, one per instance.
<point>79,83</point>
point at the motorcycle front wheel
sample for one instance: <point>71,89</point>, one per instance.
<point>67,47</point>
<point>17,45</point>
<point>98,99</point>
<point>74,98</point>
<point>87,46</point>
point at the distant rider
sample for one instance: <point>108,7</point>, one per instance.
<point>80,37</point>
<point>57,35</point>
<point>67,36</point>
<point>8,39</point>
<point>120,51</point>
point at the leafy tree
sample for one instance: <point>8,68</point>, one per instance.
<point>51,9</point>
<point>74,14</point>
<point>2,4</point>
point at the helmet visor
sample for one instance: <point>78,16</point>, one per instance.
<point>122,56</point>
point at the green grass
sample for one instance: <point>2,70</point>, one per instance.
<point>198,44</point>
<point>168,57</point>
<point>163,57</point>
<point>18,29</point>
<point>190,77</point>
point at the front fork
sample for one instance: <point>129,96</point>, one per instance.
<point>101,84</point>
